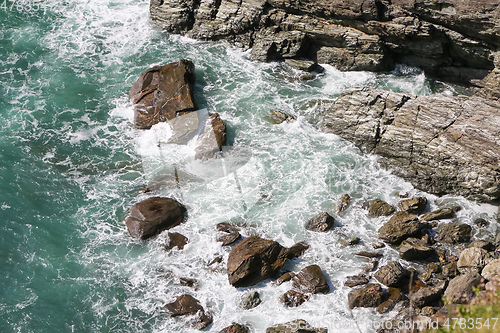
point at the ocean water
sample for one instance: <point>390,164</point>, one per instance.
<point>71,165</point>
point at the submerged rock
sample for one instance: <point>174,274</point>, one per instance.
<point>293,298</point>
<point>321,222</point>
<point>401,226</point>
<point>154,215</point>
<point>251,300</point>
<point>343,203</point>
<point>279,117</point>
<point>253,260</point>
<point>163,92</point>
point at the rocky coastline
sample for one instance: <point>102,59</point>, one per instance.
<point>442,144</point>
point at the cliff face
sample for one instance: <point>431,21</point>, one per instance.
<point>450,39</point>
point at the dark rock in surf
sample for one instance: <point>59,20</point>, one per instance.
<point>229,238</point>
<point>415,249</point>
<point>395,295</point>
<point>293,298</point>
<point>402,225</point>
<point>297,250</point>
<point>311,280</point>
<point>343,203</point>
<point>356,280</point>
<point>378,207</point>
<point>367,296</point>
<point>321,222</point>
<point>235,328</point>
<point>454,233</point>
<point>414,205</point>
<point>177,240</point>
<point>391,274</point>
<point>285,277</point>
<point>163,92</point>
<point>251,300</point>
<point>186,305</point>
<point>253,260</point>
<point>211,140</point>
<point>154,215</point>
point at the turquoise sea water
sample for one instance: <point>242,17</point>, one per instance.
<point>71,165</point>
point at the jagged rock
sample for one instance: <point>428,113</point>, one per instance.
<point>395,295</point>
<point>491,270</point>
<point>415,249</point>
<point>253,260</point>
<point>379,207</point>
<point>472,260</point>
<point>284,278</point>
<point>251,300</point>
<point>391,274</point>
<point>321,222</point>
<point>297,250</point>
<point>229,238</point>
<point>428,295</point>
<point>177,240</point>
<point>227,227</point>
<point>235,328</point>
<point>443,213</point>
<point>442,144</point>
<point>295,326</point>
<point>293,298</point>
<point>355,280</point>
<point>211,140</point>
<point>367,296</point>
<point>187,305</point>
<point>401,226</point>
<point>154,215</point>
<point>343,203</point>
<point>163,92</point>
<point>414,205</point>
<point>460,289</point>
<point>310,280</point>
<point>453,233</point>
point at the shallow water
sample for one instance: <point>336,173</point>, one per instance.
<point>71,166</point>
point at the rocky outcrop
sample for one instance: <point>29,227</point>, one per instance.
<point>442,144</point>
<point>154,215</point>
<point>414,205</point>
<point>450,38</point>
<point>378,207</point>
<point>321,222</point>
<point>253,260</point>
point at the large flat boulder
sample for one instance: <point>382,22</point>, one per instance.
<point>163,92</point>
<point>442,144</point>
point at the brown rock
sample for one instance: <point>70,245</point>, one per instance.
<point>211,140</point>
<point>355,280</point>
<point>491,270</point>
<point>311,280</point>
<point>253,260</point>
<point>395,295</point>
<point>415,249</point>
<point>293,298</point>
<point>460,289</point>
<point>343,203</point>
<point>443,213</point>
<point>295,326</point>
<point>428,295</point>
<point>188,305</point>
<point>287,276</point>
<point>414,205</point>
<point>229,238</point>
<point>235,328</point>
<point>163,92</point>
<point>379,207</point>
<point>370,295</point>
<point>401,226</point>
<point>154,215</point>
<point>297,250</point>
<point>472,260</point>
<point>391,274</point>
<point>454,233</point>
<point>227,227</point>
<point>177,240</point>
<point>321,222</point>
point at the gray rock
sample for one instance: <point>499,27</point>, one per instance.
<point>482,244</point>
<point>253,260</point>
<point>295,326</point>
<point>443,213</point>
<point>321,222</point>
<point>454,233</point>
<point>401,226</point>
<point>428,295</point>
<point>391,274</point>
<point>251,300</point>
<point>491,270</point>
<point>415,249</point>
<point>356,280</point>
<point>472,260</point>
<point>154,215</point>
<point>367,296</point>
<point>414,205</point>
<point>442,144</point>
<point>460,289</point>
<point>304,65</point>
<point>310,280</point>
<point>379,207</point>
<point>450,270</point>
<point>351,241</point>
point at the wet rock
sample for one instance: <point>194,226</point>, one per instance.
<point>253,260</point>
<point>355,280</point>
<point>472,260</point>
<point>304,65</point>
<point>235,328</point>
<point>379,207</point>
<point>185,305</point>
<point>378,245</point>
<point>293,298</point>
<point>321,222</point>
<point>367,296</point>
<point>481,223</point>
<point>391,274</point>
<point>351,241</point>
<point>177,240</point>
<point>367,254</point>
<point>415,249</point>
<point>297,250</point>
<point>279,117</point>
<point>443,213</point>
<point>428,295</point>
<point>454,233</point>
<point>343,203</point>
<point>216,260</point>
<point>227,227</point>
<point>460,289</point>
<point>414,205</point>
<point>229,238</point>
<point>211,139</point>
<point>251,300</point>
<point>401,226</point>
<point>163,92</point>
<point>491,270</point>
<point>310,280</point>
<point>453,153</point>
<point>284,278</point>
<point>395,295</point>
<point>188,282</point>
<point>295,326</point>
<point>154,215</point>
<point>482,244</point>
